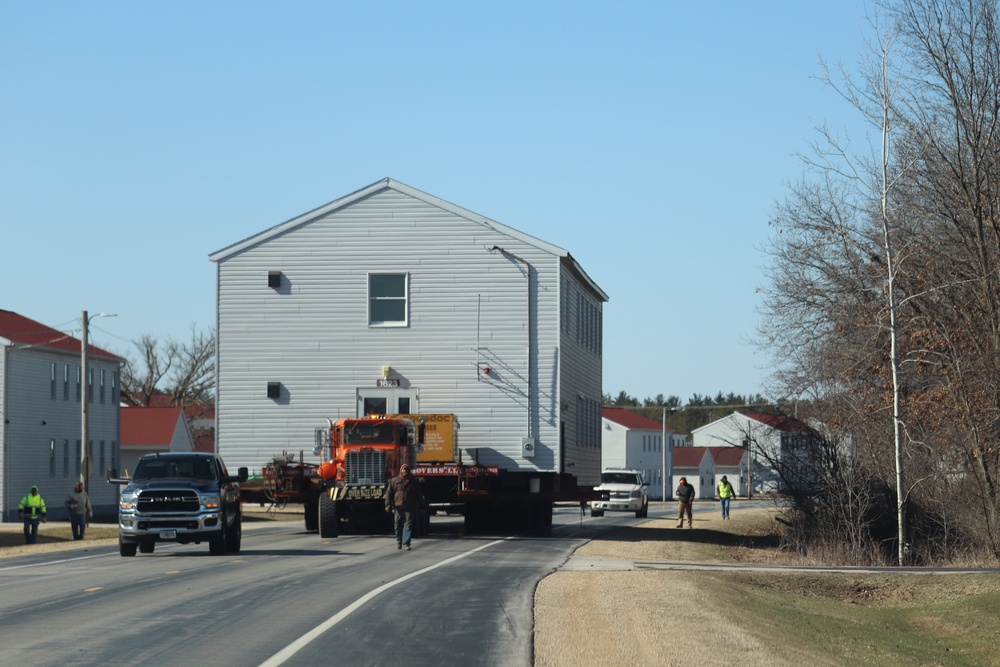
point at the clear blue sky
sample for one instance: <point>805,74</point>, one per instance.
<point>649,139</point>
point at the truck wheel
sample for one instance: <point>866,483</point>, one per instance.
<point>329,522</point>
<point>641,513</point>
<point>127,549</point>
<point>236,536</point>
<point>594,512</point>
<point>312,516</point>
<point>146,547</point>
<point>217,545</point>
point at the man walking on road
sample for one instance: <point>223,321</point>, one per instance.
<point>31,510</point>
<point>80,510</point>
<point>685,496</point>
<point>403,498</point>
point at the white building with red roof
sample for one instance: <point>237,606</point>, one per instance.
<point>40,402</point>
<point>150,430</point>
<point>635,442</point>
<point>771,441</point>
<point>697,466</point>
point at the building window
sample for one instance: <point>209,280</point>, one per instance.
<point>52,458</point>
<point>102,386</point>
<point>66,382</point>
<point>387,299</point>
<point>104,461</point>
<point>78,452</point>
<point>65,458</point>
<point>52,381</point>
<point>90,385</point>
<point>79,372</point>
<point>114,387</point>
<point>114,456</point>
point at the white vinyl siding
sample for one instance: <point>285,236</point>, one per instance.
<point>42,433</point>
<point>477,295</point>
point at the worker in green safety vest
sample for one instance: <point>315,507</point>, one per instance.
<point>31,510</point>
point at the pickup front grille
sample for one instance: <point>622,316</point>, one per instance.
<point>161,501</point>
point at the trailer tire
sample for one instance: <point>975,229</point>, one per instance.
<point>329,522</point>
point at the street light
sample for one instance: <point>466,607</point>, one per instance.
<point>85,462</point>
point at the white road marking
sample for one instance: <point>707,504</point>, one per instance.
<point>284,654</point>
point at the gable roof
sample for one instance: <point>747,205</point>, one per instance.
<point>688,457</point>
<point>149,427</point>
<point>628,419</point>
<point>726,456</point>
<point>389,184</point>
<point>780,422</point>
<point>24,333</point>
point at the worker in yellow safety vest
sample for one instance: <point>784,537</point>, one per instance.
<point>724,494</point>
<point>31,510</point>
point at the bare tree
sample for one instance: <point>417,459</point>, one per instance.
<point>184,372</point>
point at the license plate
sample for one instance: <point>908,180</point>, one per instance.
<point>168,534</point>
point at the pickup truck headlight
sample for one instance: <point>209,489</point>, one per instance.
<point>209,501</point>
<point>635,495</point>
<point>127,501</point>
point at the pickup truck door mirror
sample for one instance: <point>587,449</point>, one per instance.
<point>113,477</point>
<point>244,474</point>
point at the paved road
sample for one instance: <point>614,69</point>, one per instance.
<point>289,597</point>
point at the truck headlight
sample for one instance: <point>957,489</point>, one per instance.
<point>127,501</point>
<point>209,501</point>
<point>635,495</point>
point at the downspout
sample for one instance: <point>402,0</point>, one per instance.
<point>527,282</point>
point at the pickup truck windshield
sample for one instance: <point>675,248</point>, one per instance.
<point>198,468</point>
<point>619,478</point>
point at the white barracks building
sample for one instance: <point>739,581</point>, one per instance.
<point>390,300</point>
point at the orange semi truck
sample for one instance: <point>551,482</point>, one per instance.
<point>344,493</point>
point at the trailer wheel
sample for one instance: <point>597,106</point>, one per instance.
<point>329,522</point>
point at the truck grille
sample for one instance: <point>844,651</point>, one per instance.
<point>161,501</point>
<point>365,468</point>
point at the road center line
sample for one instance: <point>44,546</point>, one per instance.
<point>284,654</point>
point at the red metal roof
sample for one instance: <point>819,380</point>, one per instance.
<point>22,331</point>
<point>629,419</point>
<point>726,456</point>
<point>688,457</point>
<point>149,427</point>
<point>780,422</point>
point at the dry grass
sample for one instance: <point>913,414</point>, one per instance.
<point>777,618</point>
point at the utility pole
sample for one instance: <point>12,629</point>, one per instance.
<point>86,464</point>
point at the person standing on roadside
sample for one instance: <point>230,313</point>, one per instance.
<point>724,492</point>
<point>403,498</point>
<point>685,497</point>
<point>80,510</point>
<point>31,510</point>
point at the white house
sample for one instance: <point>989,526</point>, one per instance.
<point>147,430</point>
<point>40,394</point>
<point>697,466</point>
<point>391,300</point>
<point>776,438</point>
<point>731,463</point>
<point>630,440</point>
